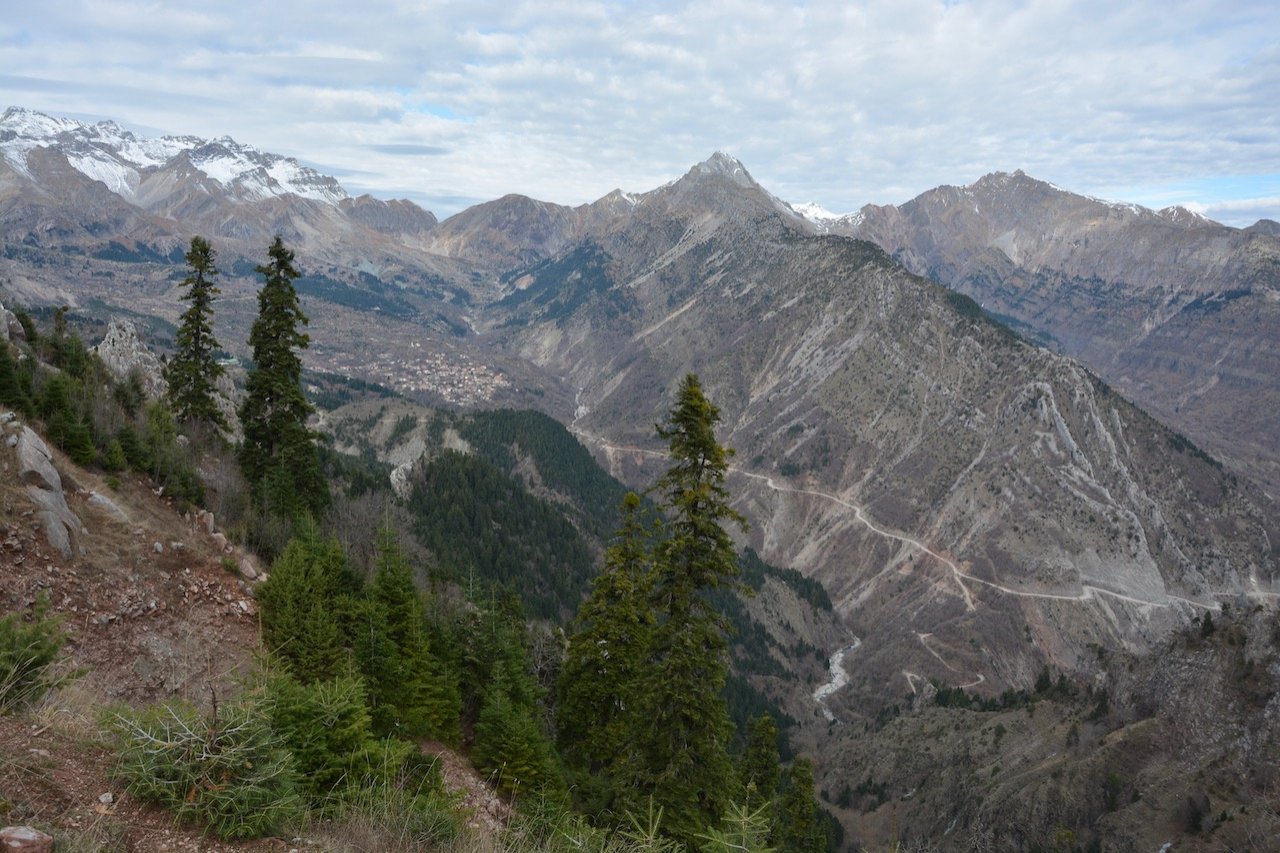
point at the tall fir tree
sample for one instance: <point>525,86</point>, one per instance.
<point>607,650</point>
<point>682,729</point>
<point>278,455</point>
<point>193,372</point>
<point>759,768</point>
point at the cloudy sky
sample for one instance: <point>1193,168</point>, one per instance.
<point>842,103</point>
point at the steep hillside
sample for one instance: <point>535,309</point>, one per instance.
<point>1180,313</point>
<point>893,443</point>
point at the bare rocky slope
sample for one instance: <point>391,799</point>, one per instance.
<point>1180,313</point>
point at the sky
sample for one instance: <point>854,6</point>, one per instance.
<point>838,103</point>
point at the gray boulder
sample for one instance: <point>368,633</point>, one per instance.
<point>108,506</point>
<point>10,328</point>
<point>44,487</point>
<point>35,462</point>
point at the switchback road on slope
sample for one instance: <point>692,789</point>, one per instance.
<point>962,578</point>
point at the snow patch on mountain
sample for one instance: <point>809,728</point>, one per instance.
<point>107,152</point>
<point>824,220</point>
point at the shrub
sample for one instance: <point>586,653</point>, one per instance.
<point>326,726</point>
<point>226,771</point>
<point>29,652</point>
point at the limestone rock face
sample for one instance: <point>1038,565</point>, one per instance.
<point>123,354</point>
<point>10,328</point>
<point>44,488</point>
<point>35,462</point>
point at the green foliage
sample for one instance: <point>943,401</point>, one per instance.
<point>607,651</point>
<point>412,692</point>
<point>28,327</point>
<point>303,602</point>
<point>15,382</point>
<point>1206,625</point>
<point>477,520</point>
<point>326,727</point>
<point>564,465</point>
<point>759,769</point>
<point>193,372</point>
<point>682,727</point>
<point>30,649</point>
<point>71,433</point>
<point>226,772</point>
<point>754,570</point>
<point>163,458</point>
<point>510,744</point>
<point>135,451</point>
<point>408,812</point>
<point>278,454</point>
<point>798,828</point>
<point>64,349</point>
<point>745,831</point>
<point>114,458</point>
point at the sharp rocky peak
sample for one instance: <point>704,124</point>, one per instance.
<point>723,165</point>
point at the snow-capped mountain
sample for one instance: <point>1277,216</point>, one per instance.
<point>824,220</point>
<point>122,160</point>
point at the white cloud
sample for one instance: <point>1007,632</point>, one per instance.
<point>836,102</point>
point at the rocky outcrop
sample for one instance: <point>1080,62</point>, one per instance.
<point>125,355</point>
<point>108,506</point>
<point>10,328</point>
<point>43,484</point>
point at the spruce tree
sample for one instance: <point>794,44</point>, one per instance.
<point>278,455</point>
<point>302,603</point>
<point>12,390</point>
<point>326,726</point>
<point>510,743</point>
<point>759,768</point>
<point>683,728</point>
<point>193,372</point>
<point>412,692</point>
<point>798,828</point>
<point>599,680</point>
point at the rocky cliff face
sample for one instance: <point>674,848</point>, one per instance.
<point>1180,313</point>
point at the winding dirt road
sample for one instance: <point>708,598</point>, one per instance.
<point>1087,591</point>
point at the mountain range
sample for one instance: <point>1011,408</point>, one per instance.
<point>951,413</point>
<point>862,397</point>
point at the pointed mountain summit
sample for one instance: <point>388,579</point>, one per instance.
<point>724,165</point>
